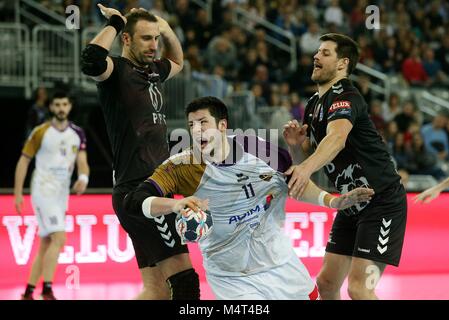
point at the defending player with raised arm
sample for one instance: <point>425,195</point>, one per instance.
<point>246,255</point>
<point>134,107</point>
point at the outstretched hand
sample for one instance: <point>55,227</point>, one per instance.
<point>426,196</point>
<point>294,134</point>
<point>352,198</point>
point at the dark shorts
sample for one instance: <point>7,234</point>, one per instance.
<point>377,232</point>
<point>153,240</point>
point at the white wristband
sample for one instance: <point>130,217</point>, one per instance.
<point>146,207</point>
<point>321,198</point>
<point>84,177</point>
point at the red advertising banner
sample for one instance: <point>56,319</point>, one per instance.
<point>99,250</point>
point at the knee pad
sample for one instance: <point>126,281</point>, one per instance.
<point>184,285</point>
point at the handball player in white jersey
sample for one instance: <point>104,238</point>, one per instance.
<point>246,255</point>
<point>57,145</point>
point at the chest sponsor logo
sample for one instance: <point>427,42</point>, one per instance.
<point>247,214</point>
<point>155,97</point>
<point>340,105</point>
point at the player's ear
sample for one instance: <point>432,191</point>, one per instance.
<point>222,124</point>
<point>342,63</point>
<point>126,38</point>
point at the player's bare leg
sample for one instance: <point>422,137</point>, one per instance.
<point>37,267</point>
<point>332,275</point>
<point>154,285</point>
<point>363,278</point>
<point>51,256</point>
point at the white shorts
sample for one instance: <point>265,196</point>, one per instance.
<point>290,281</point>
<point>50,211</point>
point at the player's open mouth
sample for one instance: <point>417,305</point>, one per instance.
<point>202,142</point>
<point>317,66</point>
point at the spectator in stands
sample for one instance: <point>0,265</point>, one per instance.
<point>257,92</point>
<point>392,108</point>
<point>376,116</point>
<point>287,21</point>
<point>249,65</point>
<point>435,137</point>
<point>413,69</point>
<point>402,151</point>
<point>38,112</point>
<point>334,14</point>
<point>442,54</point>
<point>222,52</point>
<point>193,55</point>
<point>262,77</point>
<point>300,80</point>
<point>391,130</point>
<point>203,29</point>
<point>158,9</point>
<point>433,68</point>
<point>406,117</point>
<point>186,16</point>
<point>297,107</point>
<point>422,161</point>
<point>388,55</point>
<point>362,85</point>
<point>310,41</point>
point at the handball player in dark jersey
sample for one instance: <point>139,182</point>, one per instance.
<point>337,134</point>
<point>129,89</point>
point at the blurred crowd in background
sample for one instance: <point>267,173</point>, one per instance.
<point>411,44</point>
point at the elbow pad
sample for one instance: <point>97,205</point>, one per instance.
<point>93,60</point>
<point>134,199</point>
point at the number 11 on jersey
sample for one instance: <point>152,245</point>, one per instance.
<point>249,193</point>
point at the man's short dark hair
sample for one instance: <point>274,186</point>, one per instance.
<point>133,17</point>
<point>346,48</point>
<point>60,95</point>
<point>216,107</point>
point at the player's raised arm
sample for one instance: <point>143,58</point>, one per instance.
<point>172,47</point>
<point>94,59</point>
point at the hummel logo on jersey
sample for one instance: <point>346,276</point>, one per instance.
<point>337,89</point>
<point>241,177</point>
<point>383,237</point>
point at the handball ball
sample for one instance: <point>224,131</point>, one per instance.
<point>193,226</point>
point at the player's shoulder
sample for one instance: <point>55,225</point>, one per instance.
<point>343,88</point>
<point>41,128</point>
<point>184,157</point>
<point>75,127</point>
